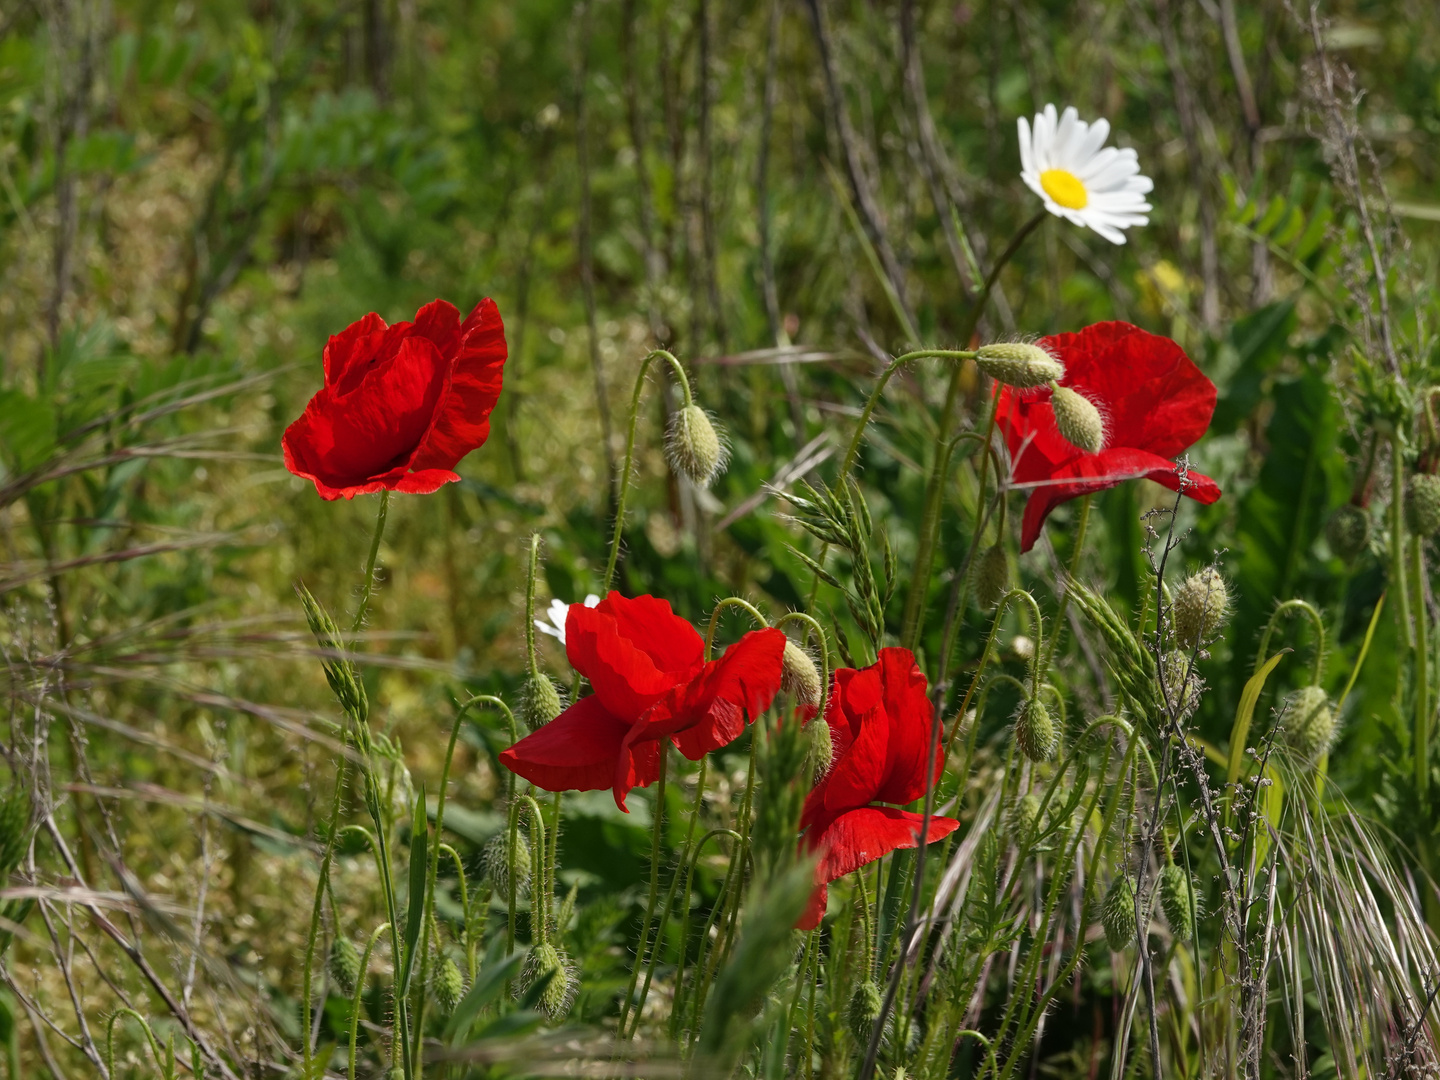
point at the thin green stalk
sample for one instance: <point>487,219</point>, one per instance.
<point>1422,672</point>
<point>1317,662</point>
<point>656,835</point>
<point>539,897</point>
<point>680,377</point>
<point>1397,547</point>
<point>677,1011</point>
<point>867,924</point>
<point>307,968</point>
<point>1057,626</point>
<point>728,602</point>
<point>357,1001</point>
<point>853,450</point>
<point>369,586</point>
<point>115,1018</point>
<point>446,849</point>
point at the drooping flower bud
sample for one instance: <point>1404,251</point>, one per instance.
<point>344,965</point>
<point>1019,364</point>
<point>1422,504</point>
<point>447,984</point>
<point>539,701</point>
<point>1177,898</point>
<point>1024,819</point>
<point>821,754</point>
<point>1078,419</point>
<point>1201,606</point>
<point>992,576</point>
<point>863,1010</point>
<point>694,446</point>
<point>1348,531</point>
<point>1117,914</point>
<point>798,675</point>
<point>497,863</point>
<point>1308,723</point>
<point>1035,732</point>
<point>559,992</point>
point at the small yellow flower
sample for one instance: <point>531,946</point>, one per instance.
<point>1065,161</point>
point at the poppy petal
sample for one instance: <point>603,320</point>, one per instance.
<point>912,717</point>
<point>632,650</point>
<point>358,341</point>
<point>476,374</point>
<point>576,751</point>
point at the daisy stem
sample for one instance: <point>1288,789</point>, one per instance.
<point>624,492</point>
<point>368,588</point>
<point>915,602</point>
<point>655,838</point>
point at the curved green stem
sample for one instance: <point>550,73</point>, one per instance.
<point>1000,608</point>
<point>446,849</point>
<point>650,357</point>
<point>728,602</point>
<point>1422,670</point>
<point>1397,542</point>
<point>656,835</point>
<point>358,999</point>
<point>678,1010</point>
<point>368,588</point>
<point>115,1018</point>
<point>530,660</point>
<point>853,450</point>
<point>867,924</point>
<point>539,898</point>
<point>1318,661</point>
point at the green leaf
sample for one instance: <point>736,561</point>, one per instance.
<point>419,868</point>
<point>489,984</point>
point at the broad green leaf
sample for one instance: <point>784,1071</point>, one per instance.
<point>489,984</point>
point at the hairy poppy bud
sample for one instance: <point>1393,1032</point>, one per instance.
<point>1078,419</point>
<point>1035,732</point>
<point>496,860</point>
<point>1422,504</point>
<point>447,984</point>
<point>694,446</point>
<point>1177,898</point>
<point>1024,819</point>
<point>992,576</point>
<point>1117,914</point>
<point>1200,609</point>
<point>1183,684</point>
<point>539,701</point>
<point>822,747</point>
<point>344,965</point>
<point>559,992</point>
<point>1309,723</point>
<point>1348,531</point>
<point>863,1010</point>
<point>1019,364</point>
<point>798,675</point>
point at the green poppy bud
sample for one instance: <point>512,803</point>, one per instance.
<point>1308,723</point>
<point>1035,731</point>
<point>1177,897</point>
<point>799,676</point>
<point>1202,603</point>
<point>497,862</point>
<point>559,992</point>
<point>539,701</point>
<point>447,984</point>
<point>344,965</point>
<point>1183,684</point>
<point>1117,914</point>
<point>1024,819</point>
<point>1078,419</point>
<point>1019,364</point>
<point>1422,504</point>
<point>694,446</point>
<point>863,1010</point>
<point>992,576</point>
<point>1348,531</point>
<point>822,747</point>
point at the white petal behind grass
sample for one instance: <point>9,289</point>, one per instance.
<point>1065,161</point>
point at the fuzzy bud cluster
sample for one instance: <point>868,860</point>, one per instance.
<point>694,447</point>
<point>1422,504</point>
<point>1078,419</point>
<point>1117,914</point>
<point>1309,723</point>
<point>1019,364</point>
<point>1035,730</point>
<point>1177,900</point>
<point>1348,531</point>
<point>1202,604</point>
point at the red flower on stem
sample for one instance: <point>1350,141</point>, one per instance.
<point>881,724</point>
<point>651,680</point>
<point>401,404</point>
<point>1155,404</point>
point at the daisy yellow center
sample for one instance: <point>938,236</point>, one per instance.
<point>1065,188</point>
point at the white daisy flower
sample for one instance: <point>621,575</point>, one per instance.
<point>1063,162</point>
<point>557,613</point>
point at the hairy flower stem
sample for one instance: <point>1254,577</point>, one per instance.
<point>866,924</point>
<point>368,588</point>
<point>357,1001</point>
<point>677,1010</point>
<point>539,897</point>
<point>1397,550</point>
<point>714,624</point>
<point>628,463</point>
<point>1422,672</point>
<point>1317,662</point>
<point>321,884</point>
<point>656,835</point>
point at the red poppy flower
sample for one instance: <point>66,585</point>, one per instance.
<point>881,723</point>
<point>401,404</point>
<point>1155,403</point>
<point>651,680</point>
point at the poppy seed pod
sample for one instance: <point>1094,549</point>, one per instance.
<point>1422,504</point>
<point>539,701</point>
<point>559,992</point>
<point>1177,898</point>
<point>1019,364</point>
<point>1117,914</point>
<point>1201,606</point>
<point>1309,723</point>
<point>694,446</point>
<point>862,1011</point>
<point>344,965</point>
<point>992,576</point>
<point>1078,419</point>
<point>447,984</point>
<point>798,675</point>
<point>1348,531</point>
<point>1035,730</point>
